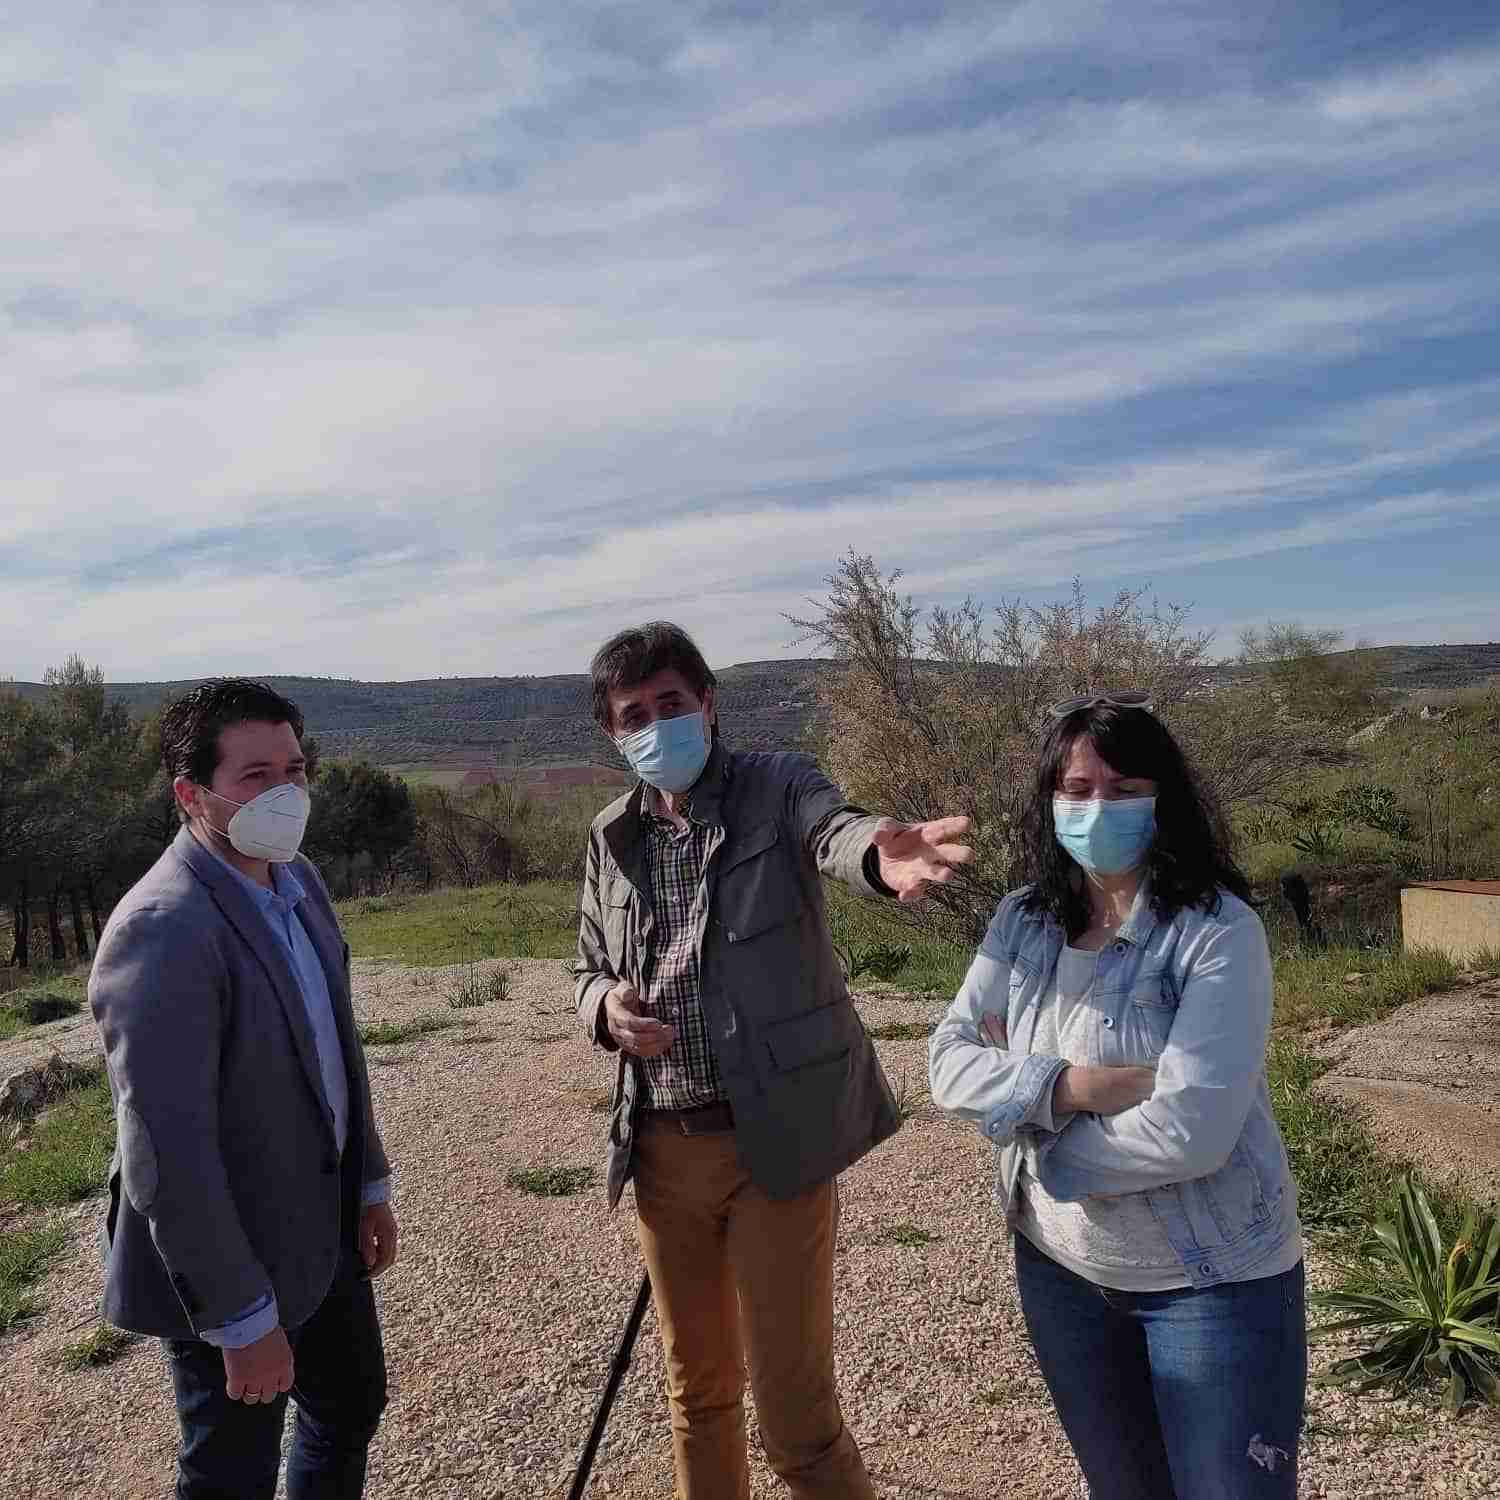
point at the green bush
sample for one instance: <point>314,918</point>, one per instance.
<point>1435,1305</point>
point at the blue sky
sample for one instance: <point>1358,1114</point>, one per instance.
<point>400,340</point>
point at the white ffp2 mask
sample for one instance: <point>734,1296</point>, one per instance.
<point>270,826</point>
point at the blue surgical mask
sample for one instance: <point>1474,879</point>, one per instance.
<point>669,754</point>
<point>1106,837</point>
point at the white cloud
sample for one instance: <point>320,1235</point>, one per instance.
<point>465,332</point>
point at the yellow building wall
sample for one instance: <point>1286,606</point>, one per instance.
<point>1457,923</point>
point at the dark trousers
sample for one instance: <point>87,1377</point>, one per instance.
<point>231,1451</point>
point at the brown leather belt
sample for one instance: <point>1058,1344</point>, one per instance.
<point>704,1120</point>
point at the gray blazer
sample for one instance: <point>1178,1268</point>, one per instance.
<point>226,1181</point>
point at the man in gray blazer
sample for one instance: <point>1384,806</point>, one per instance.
<point>248,1204</point>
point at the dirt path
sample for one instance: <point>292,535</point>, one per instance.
<point>503,1309</point>
<point>1426,1080</point>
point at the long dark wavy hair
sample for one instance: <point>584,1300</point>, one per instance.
<point>1190,859</point>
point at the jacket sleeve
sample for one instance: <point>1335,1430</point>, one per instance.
<point>592,975</point>
<point>835,833</point>
<point>157,992</point>
<point>1001,1091</point>
<point>1206,1078</point>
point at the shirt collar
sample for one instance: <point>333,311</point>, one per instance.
<point>288,889</point>
<point>1138,926</point>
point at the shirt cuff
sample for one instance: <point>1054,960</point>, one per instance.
<point>872,873</point>
<point>375,1192</point>
<point>259,1319</point>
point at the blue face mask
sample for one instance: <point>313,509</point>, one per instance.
<point>669,754</point>
<point>1106,837</point>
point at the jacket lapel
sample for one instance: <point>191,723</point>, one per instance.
<point>240,911</point>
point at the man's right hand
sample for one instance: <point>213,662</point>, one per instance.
<point>1101,1091</point>
<point>640,1036</point>
<point>260,1371</point>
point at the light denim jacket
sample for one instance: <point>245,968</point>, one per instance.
<point>1191,997</point>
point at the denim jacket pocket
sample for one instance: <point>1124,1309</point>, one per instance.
<point>1151,1009</point>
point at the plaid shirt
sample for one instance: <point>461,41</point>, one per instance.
<point>686,1076</point>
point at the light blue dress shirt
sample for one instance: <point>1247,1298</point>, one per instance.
<point>279,907</point>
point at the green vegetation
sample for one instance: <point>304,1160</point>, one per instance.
<point>1435,1305</point>
<point>550,1182</point>
<point>933,963</point>
<point>903,1031</point>
<point>22,1009</point>
<point>1351,986</point>
<point>102,1347</point>
<point>908,1235</point>
<point>66,1153</point>
<point>538,920</point>
<point>1342,1179</point>
<point>392,1033</point>
<point>24,1257</point>
<point>476,987</point>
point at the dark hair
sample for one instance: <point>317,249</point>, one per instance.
<point>1190,857</point>
<point>641,652</point>
<point>191,725</point>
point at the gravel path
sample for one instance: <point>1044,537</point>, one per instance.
<point>503,1310</point>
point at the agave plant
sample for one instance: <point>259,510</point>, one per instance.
<point>1436,1305</point>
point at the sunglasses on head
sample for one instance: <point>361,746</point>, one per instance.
<point>1128,699</point>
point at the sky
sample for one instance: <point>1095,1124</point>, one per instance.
<point>443,339</point>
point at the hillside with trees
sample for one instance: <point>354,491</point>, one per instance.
<point>764,705</point>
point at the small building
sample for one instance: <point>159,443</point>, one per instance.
<point>1457,917</point>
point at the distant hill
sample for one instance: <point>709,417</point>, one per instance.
<point>471,721</point>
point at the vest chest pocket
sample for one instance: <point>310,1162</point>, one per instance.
<point>758,886</point>
<point>614,917</point>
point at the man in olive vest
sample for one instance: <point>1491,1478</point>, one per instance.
<point>746,1081</point>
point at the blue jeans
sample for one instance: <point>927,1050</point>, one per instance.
<point>231,1451</point>
<point>1195,1394</point>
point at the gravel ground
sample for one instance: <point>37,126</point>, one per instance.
<point>503,1310</point>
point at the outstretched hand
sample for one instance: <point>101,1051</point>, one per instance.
<point>916,855</point>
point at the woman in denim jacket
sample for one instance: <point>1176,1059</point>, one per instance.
<point>1110,1039</point>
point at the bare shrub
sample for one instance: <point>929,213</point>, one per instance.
<point>938,711</point>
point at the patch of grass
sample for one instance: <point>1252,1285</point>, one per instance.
<point>903,1031</point>
<point>549,1036</point>
<point>992,1397</point>
<point>102,1347</point>
<point>392,1033</point>
<point>1316,984</point>
<point>550,1182</point>
<point>908,1235</point>
<point>1341,1176</point>
<point>476,987</point>
<point>23,1009</point>
<point>64,1157</point>
<point>599,1102</point>
<point>24,1256</point>
<point>933,965</point>
<point>473,1038</point>
<point>908,1099</point>
<point>537,920</point>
